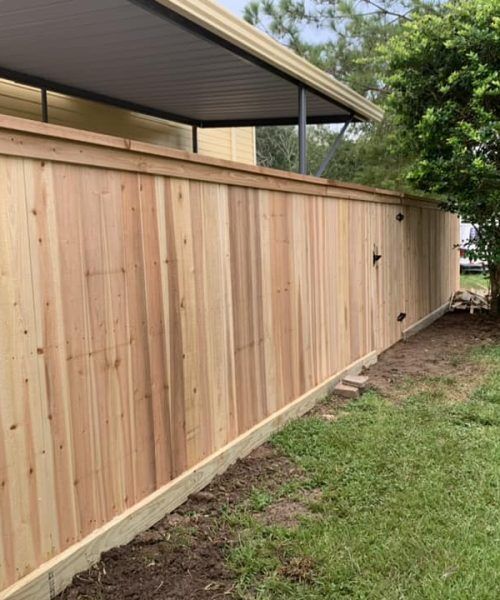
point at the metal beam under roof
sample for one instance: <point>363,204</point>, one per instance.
<point>189,61</point>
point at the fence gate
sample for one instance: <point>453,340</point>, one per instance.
<point>388,303</point>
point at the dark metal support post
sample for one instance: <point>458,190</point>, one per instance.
<point>45,105</point>
<point>195,139</point>
<point>302,131</point>
<point>333,149</point>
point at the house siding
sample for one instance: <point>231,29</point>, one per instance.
<point>17,100</point>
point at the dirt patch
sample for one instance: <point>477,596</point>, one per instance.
<point>434,352</point>
<point>299,570</point>
<point>264,469</point>
<point>286,512</point>
<point>183,556</point>
<point>331,409</point>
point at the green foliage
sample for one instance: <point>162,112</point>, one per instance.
<point>367,157</point>
<point>277,147</point>
<point>444,73</point>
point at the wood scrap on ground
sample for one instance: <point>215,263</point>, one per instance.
<point>471,301</point>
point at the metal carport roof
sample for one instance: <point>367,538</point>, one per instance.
<point>185,60</point>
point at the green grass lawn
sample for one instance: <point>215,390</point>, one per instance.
<point>404,500</point>
<point>474,281</point>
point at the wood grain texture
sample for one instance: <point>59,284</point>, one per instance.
<point>150,316</point>
<point>54,575</point>
<point>21,137</point>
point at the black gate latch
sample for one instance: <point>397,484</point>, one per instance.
<point>401,317</point>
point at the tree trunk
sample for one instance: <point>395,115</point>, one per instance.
<point>495,289</point>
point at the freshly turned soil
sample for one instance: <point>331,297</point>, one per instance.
<point>435,351</point>
<point>183,556</point>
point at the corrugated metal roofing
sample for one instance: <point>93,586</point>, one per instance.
<point>165,59</point>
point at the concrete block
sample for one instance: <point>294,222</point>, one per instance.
<point>347,391</point>
<point>359,381</point>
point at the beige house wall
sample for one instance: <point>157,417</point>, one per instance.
<point>22,101</point>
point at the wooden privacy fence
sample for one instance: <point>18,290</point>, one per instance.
<point>162,313</point>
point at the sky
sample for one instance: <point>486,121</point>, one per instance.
<point>236,6</point>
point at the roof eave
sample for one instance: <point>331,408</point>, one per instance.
<point>222,23</point>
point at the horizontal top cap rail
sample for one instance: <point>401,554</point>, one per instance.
<point>32,139</point>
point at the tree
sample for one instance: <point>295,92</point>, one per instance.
<point>445,79</point>
<point>277,147</point>
<point>346,34</point>
<point>358,159</point>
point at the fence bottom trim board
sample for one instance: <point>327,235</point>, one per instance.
<point>54,576</point>
<point>426,321</point>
